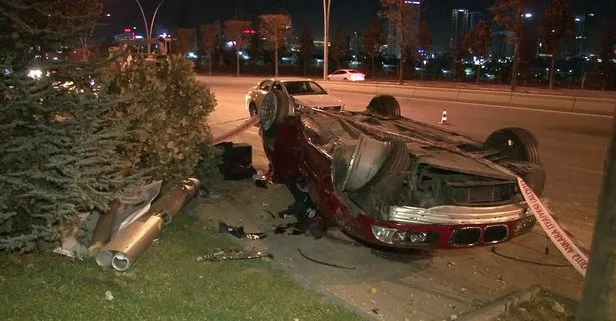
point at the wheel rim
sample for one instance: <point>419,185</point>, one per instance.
<point>508,146</point>
<point>267,113</point>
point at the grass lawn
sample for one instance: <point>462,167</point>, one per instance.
<point>166,283</point>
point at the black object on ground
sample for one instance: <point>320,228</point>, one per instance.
<point>289,229</point>
<point>324,263</point>
<point>238,231</point>
<point>236,161</point>
<point>227,255</point>
<point>261,183</point>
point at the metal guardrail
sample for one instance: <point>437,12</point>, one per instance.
<point>589,105</point>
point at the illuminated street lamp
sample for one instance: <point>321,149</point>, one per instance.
<point>326,9</point>
<point>149,31</point>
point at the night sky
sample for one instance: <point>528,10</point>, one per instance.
<point>347,15</point>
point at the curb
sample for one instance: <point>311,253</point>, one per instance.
<point>492,310</point>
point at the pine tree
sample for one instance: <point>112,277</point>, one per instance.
<point>58,136</point>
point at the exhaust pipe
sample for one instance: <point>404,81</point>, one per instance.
<point>122,252</point>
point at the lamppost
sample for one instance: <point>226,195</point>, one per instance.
<point>326,9</point>
<point>150,30</point>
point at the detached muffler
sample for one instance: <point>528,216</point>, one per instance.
<point>123,250</point>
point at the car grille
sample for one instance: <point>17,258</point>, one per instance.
<point>467,236</point>
<point>471,236</point>
<point>475,195</point>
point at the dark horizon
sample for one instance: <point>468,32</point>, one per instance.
<point>347,15</point>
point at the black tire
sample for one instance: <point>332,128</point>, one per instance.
<point>518,144</point>
<point>536,180</point>
<point>252,109</point>
<point>383,189</point>
<point>384,106</point>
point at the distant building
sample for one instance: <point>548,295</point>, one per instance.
<point>462,21</point>
<point>355,43</point>
<point>584,40</point>
<point>501,44</point>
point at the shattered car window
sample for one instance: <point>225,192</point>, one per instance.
<point>304,88</point>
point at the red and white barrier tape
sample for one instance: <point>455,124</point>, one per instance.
<point>575,252</point>
<point>237,130</point>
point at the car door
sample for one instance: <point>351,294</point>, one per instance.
<point>335,75</point>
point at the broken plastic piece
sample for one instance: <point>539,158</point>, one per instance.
<point>255,236</point>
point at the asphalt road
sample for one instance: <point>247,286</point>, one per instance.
<point>572,145</point>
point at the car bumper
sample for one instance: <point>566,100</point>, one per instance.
<point>446,227</point>
<point>457,215</point>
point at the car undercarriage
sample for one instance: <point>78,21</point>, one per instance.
<point>393,181</point>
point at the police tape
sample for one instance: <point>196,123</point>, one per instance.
<point>573,250</point>
<point>237,130</point>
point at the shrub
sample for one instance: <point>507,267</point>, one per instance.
<point>167,111</point>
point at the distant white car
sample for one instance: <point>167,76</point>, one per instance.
<point>305,93</point>
<point>347,74</point>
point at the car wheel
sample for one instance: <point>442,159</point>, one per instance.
<point>345,79</point>
<point>252,109</point>
<point>517,144</point>
<point>383,189</point>
<point>384,106</point>
<point>536,180</point>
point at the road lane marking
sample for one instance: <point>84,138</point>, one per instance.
<point>487,105</point>
<point>580,169</point>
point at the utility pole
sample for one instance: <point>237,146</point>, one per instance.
<point>150,30</point>
<point>326,10</point>
<point>598,290</point>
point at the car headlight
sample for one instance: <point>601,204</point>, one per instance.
<point>396,236</point>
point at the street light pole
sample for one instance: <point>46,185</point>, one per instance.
<point>326,9</point>
<point>150,30</point>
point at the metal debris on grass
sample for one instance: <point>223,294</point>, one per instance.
<point>228,255</point>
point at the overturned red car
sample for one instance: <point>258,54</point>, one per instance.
<point>393,181</point>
